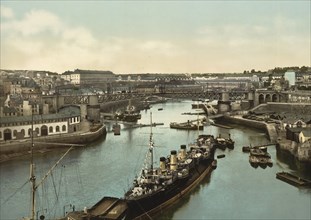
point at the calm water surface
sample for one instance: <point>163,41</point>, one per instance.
<point>235,190</point>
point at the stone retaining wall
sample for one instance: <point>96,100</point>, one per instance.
<point>269,129</point>
<point>48,142</point>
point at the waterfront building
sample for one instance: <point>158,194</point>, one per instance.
<point>89,77</point>
<point>67,120</point>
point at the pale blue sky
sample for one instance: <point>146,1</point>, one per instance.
<point>155,36</point>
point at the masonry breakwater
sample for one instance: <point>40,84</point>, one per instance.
<point>297,151</point>
<point>266,127</point>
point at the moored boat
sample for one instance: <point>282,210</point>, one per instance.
<point>186,126</point>
<point>220,156</point>
<point>223,143</point>
<point>293,179</point>
<point>259,156</point>
<point>156,188</point>
<point>116,128</point>
<point>131,114</point>
<point>246,149</point>
<point>253,161</point>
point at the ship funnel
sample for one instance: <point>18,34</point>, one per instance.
<point>162,164</point>
<point>173,160</point>
<point>182,152</point>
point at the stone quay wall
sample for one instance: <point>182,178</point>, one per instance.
<point>302,152</point>
<point>16,148</point>
<point>268,128</point>
<point>296,108</point>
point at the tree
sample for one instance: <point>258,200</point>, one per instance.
<point>303,69</point>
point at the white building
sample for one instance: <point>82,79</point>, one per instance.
<point>18,128</point>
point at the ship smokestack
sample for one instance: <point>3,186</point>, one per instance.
<point>182,152</point>
<point>173,160</point>
<point>162,164</point>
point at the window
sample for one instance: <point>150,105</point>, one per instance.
<point>57,128</point>
<point>51,129</point>
<point>64,128</point>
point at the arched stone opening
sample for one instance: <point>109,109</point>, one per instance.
<point>275,98</point>
<point>261,99</point>
<point>7,134</point>
<point>44,130</point>
<point>268,98</point>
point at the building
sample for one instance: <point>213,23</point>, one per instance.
<point>290,76</point>
<point>89,77</point>
<point>18,128</point>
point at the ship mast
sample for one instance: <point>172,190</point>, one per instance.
<point>151,143</point>
<point>32,174</point>
<point>34,186</point>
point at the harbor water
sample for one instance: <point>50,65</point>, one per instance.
<point>235,190</point>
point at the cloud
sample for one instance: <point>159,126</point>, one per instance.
<point>34,22</point>
<point>164,48</point>
<point>41,40</point>
<point>6,12</point>
<point>80,36</point>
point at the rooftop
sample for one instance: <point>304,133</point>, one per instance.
<point>66,112</point>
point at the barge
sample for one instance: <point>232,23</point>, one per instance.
<point>293,179</point>
<point>186,126</point>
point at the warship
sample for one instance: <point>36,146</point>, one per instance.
<point>157,188</point>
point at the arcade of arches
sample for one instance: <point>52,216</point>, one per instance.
<point>44,130</point>
<point>264,98</point>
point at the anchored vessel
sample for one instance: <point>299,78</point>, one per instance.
<point>186,126</point>
<point>131,114</point>
<point>292,179</point>
<point>157,188</point>
<point>223,143</point>
<point>260,156</point>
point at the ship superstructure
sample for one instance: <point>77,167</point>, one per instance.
<point>156,188</point>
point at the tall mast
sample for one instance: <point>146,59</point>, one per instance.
<point>32,174</point>
<point>151,143</point>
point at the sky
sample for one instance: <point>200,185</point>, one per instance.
<point>155,36</point>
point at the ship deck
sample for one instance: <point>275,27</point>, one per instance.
<point>108,208</point>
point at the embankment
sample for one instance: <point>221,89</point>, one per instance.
<point>268,128</point>
<point>15,148</point>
